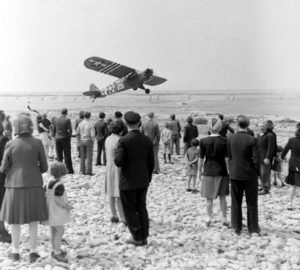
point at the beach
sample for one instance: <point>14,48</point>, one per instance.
<point>178,238</point>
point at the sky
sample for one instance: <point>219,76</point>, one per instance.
<point>195,44</point>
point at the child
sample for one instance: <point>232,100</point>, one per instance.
<point>192,158</point>
<point>277,166</point>
<point>166,139</point>
<point>58,208</point>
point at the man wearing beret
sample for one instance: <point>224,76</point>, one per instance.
<point>135,156</point>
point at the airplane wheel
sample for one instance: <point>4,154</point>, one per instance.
<point>134,89</point>
<point>147,91</point>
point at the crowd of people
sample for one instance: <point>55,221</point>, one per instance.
<point>129,149</point>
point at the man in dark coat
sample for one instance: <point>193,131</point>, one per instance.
<point>267,146</point>
<point>243,173</point>
<point>63,132</point>
<point>175,127</point>
<point>190,133</point>
<point>4,235</point>
<point>151,129</point>
<point>135,156</point>
<point>101,132</point>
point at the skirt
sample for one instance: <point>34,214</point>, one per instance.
<point>214,186</point>
<point>293,179</point>
<point>24,205</point>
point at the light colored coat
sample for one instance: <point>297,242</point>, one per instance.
<point>112,175</point>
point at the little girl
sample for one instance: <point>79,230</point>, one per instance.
<point>277,166</point>
<point>192,158</point>
<point>59,209</point>
<point>166,140</point>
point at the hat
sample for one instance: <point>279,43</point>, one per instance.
<point>118,114</point>
<point>23,124</point>
<point>214,125</point>
<point>132,117</point>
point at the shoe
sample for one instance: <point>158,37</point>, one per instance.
<point>225,224</point>
<point>124,222</point>
<point>59,257</point>
<point>71,172</point>
<point>237,232</point>
<point>290,207</point>
<point>136,243</point>
<point>195,191</point>
<point>98,164</point>
<point>91,174</point>
<point>263,192</point>
<point>114,220</point>
<point>63,253</point>
<point>33,257</point>
<point>208,223</point>
<point>14,256</point>
<point>155,172</point>
<point>188,189</point>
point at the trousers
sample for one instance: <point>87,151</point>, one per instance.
<point>86,156</point>
<point>265,176</point>
<point>175,140</point>
<point>135,212</point>
<point>63,152</point>
<point>238,187</point>
<point>100,149</point>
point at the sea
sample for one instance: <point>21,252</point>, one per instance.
<point>251,102</point>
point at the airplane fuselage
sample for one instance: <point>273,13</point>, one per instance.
<point>134,80</point>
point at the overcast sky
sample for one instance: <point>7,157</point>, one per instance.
<point>195,44</point>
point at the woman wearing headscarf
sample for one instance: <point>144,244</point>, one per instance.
<point>213,160</point>
<point>24,202</point>
<point>112,174</point>
<point>293,177</point>
<point>8,127</point>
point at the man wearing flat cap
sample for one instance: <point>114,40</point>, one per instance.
<point>175,127</point>
<point>151,129</point>
<point>134,155</point>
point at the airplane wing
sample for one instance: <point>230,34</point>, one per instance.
<point>107,67</point>
<point>155,80</point>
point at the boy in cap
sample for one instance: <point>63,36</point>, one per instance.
<point>190,133</point>
<point>135,156</point>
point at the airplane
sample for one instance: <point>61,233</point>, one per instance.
<point>128,78</point>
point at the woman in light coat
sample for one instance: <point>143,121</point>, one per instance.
<point>112,176</point>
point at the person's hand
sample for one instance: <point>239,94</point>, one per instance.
<point>69,207</point>
<point>266,161</point>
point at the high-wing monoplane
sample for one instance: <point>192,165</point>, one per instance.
<point>128,78</point>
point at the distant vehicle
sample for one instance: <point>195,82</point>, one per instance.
<point>129,78</point>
